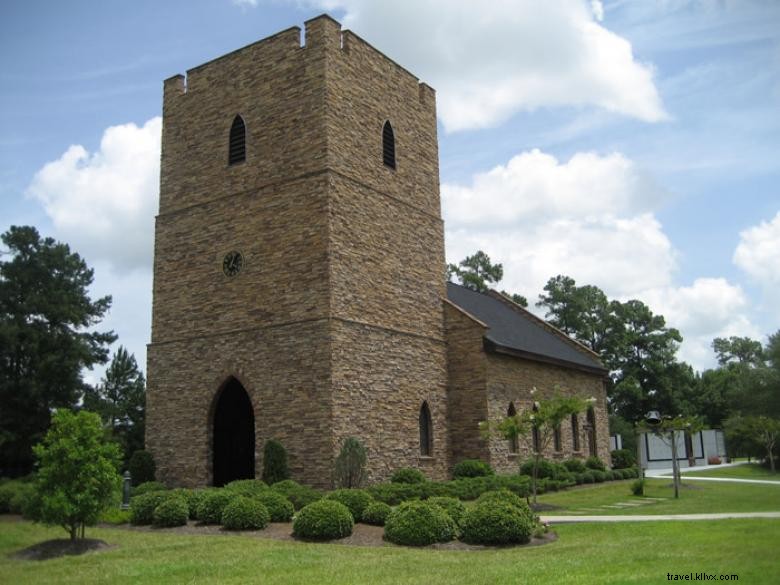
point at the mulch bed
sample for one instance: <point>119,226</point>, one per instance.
<point>362,535</point>
<point>59,547</point>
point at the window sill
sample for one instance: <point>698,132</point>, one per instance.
<point>426,458</point>
<point>513,455</point>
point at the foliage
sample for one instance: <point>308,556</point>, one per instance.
<point>195,500</point>
<point>274,462</point>
<point>323,520</point>
<point>594,462</point>
<point>299,495</point>
<point>471,468</point>
<point>142,507</point>
<point>622,458</point>
<point>141,467</point>
<point>452,506</point>
<point>172,511</point>
<point>493,521</point>
<point>77,471</point>
<point>638,487</point>
<point>620,426</point>
<point>247,487</point>
<point>754,435</point>
<point>476,272</point>
<point>149,486</point>
<point>738,350</point>
<point>419,524</point>
<point>408,475</point>
<point>47,338</point>
<point>574,465</point>
<point>115,516</point>
<point>376,513</point>
<point>213,504</point>
<point>536,426</point>
<point>243,513</point>
<point>468,488</point>
<point>351,464</point>
<point>354,499</point>
<point>279,507</point>
<point>120,400</point>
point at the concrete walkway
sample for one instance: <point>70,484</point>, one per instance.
<point>664,473</point>
<point>657,518</point>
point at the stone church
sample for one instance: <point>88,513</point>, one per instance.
<point>299,280</point>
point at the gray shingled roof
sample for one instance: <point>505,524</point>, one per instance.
<point>512,329</point>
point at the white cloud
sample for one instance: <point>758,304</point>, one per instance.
<point>491,60</point>
<point>103,204</point>
<point>590,218</point>
<point>245,3</point>
<point>598,9</point>
<point>758,252</point>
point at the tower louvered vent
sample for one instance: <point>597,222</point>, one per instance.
<point>388,145</point>
<point>237,144</point>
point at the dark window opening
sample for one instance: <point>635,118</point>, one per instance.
<point>237,143</point>
<point>591,418</point>
<point>513,445</point>
<point>388,145</point>
<point>426,431</point>
<point>557,443</point>
<point>575,433</point>
<point>234,435</point>
<point>535,432</point>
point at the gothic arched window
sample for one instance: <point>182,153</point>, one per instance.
<point>388,145</point>
<point>237,142</point>
<point>510,412</point>
<point>426,431</point>
<point>535,432</point>
<point>575,433</point>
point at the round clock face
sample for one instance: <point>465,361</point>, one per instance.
<point>232,263</point>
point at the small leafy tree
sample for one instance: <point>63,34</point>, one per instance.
<point>766,430</point>
<point>274,462</point>
<point>78,471</point>
<point>351,464</point>
<point>542,422</point>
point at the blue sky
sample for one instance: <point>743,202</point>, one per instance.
<point>630,145</point>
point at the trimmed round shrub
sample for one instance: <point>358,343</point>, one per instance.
<point>595,463</point>
<point>407,475</point>
<point>141,467</point>
<point>148,486</point>
<point>599,476</point>
<point>279,507</point>
<point>471,468</point>
<point>503,496</point>
<point>323,520</point>
<point>452,506</point>
<point>300,495</point>
<point>622,458</point>
<point>196,498</point>
<point>376,513</point>
<point>395,493</point>
<point>497,522</point>
<point>142,507</point>
<point>575,465</point>
<point>172,511</point>
<point>419,524</point>
<point>588,477</point>
<point>545,469</point>
<point>25,501</point>
<point>247,487</point>
<point>213,504</point>
<point>7,491</point>
<point>354,499</point>
<point>244,513</point>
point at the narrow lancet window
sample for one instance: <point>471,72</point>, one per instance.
<point>237,143</point>
<point>388,145</point>
<point>426,431</point>
<point>575,433</point>
<point>513,444</point>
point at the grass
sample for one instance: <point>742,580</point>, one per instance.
<point>695,498</point>
<point>584,554</point>
<point>746,471</point>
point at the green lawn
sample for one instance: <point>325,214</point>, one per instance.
<point>587,554</point>
<point>695,498</point>
<point>746,471</point>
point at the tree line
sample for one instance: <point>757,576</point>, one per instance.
<point>639,349</point>
<point>48,338</point>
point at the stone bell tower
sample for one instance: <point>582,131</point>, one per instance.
<point>299,264</point>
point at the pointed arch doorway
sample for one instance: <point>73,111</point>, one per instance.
<point>233,435</point>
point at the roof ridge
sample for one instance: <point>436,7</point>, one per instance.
<point>579,346</point>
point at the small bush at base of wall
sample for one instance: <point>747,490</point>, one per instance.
<point>471,468</point>
<point>299,495</point>
<point>213,504</point>
<point>595,463</point>
<point>171,512</point>
<point>244,513</point>
<point>247,487</point>
<point>407,475</point>
<point>323,520</point>
<point>142,507</point>
<point>354,499</point>
<point>452,506</point>
<point>376,513</point>
<point>419,524</point>
<point>622,458</point>
<point>575,465</point>
<point>279,507</point>
<point>148,486</point>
